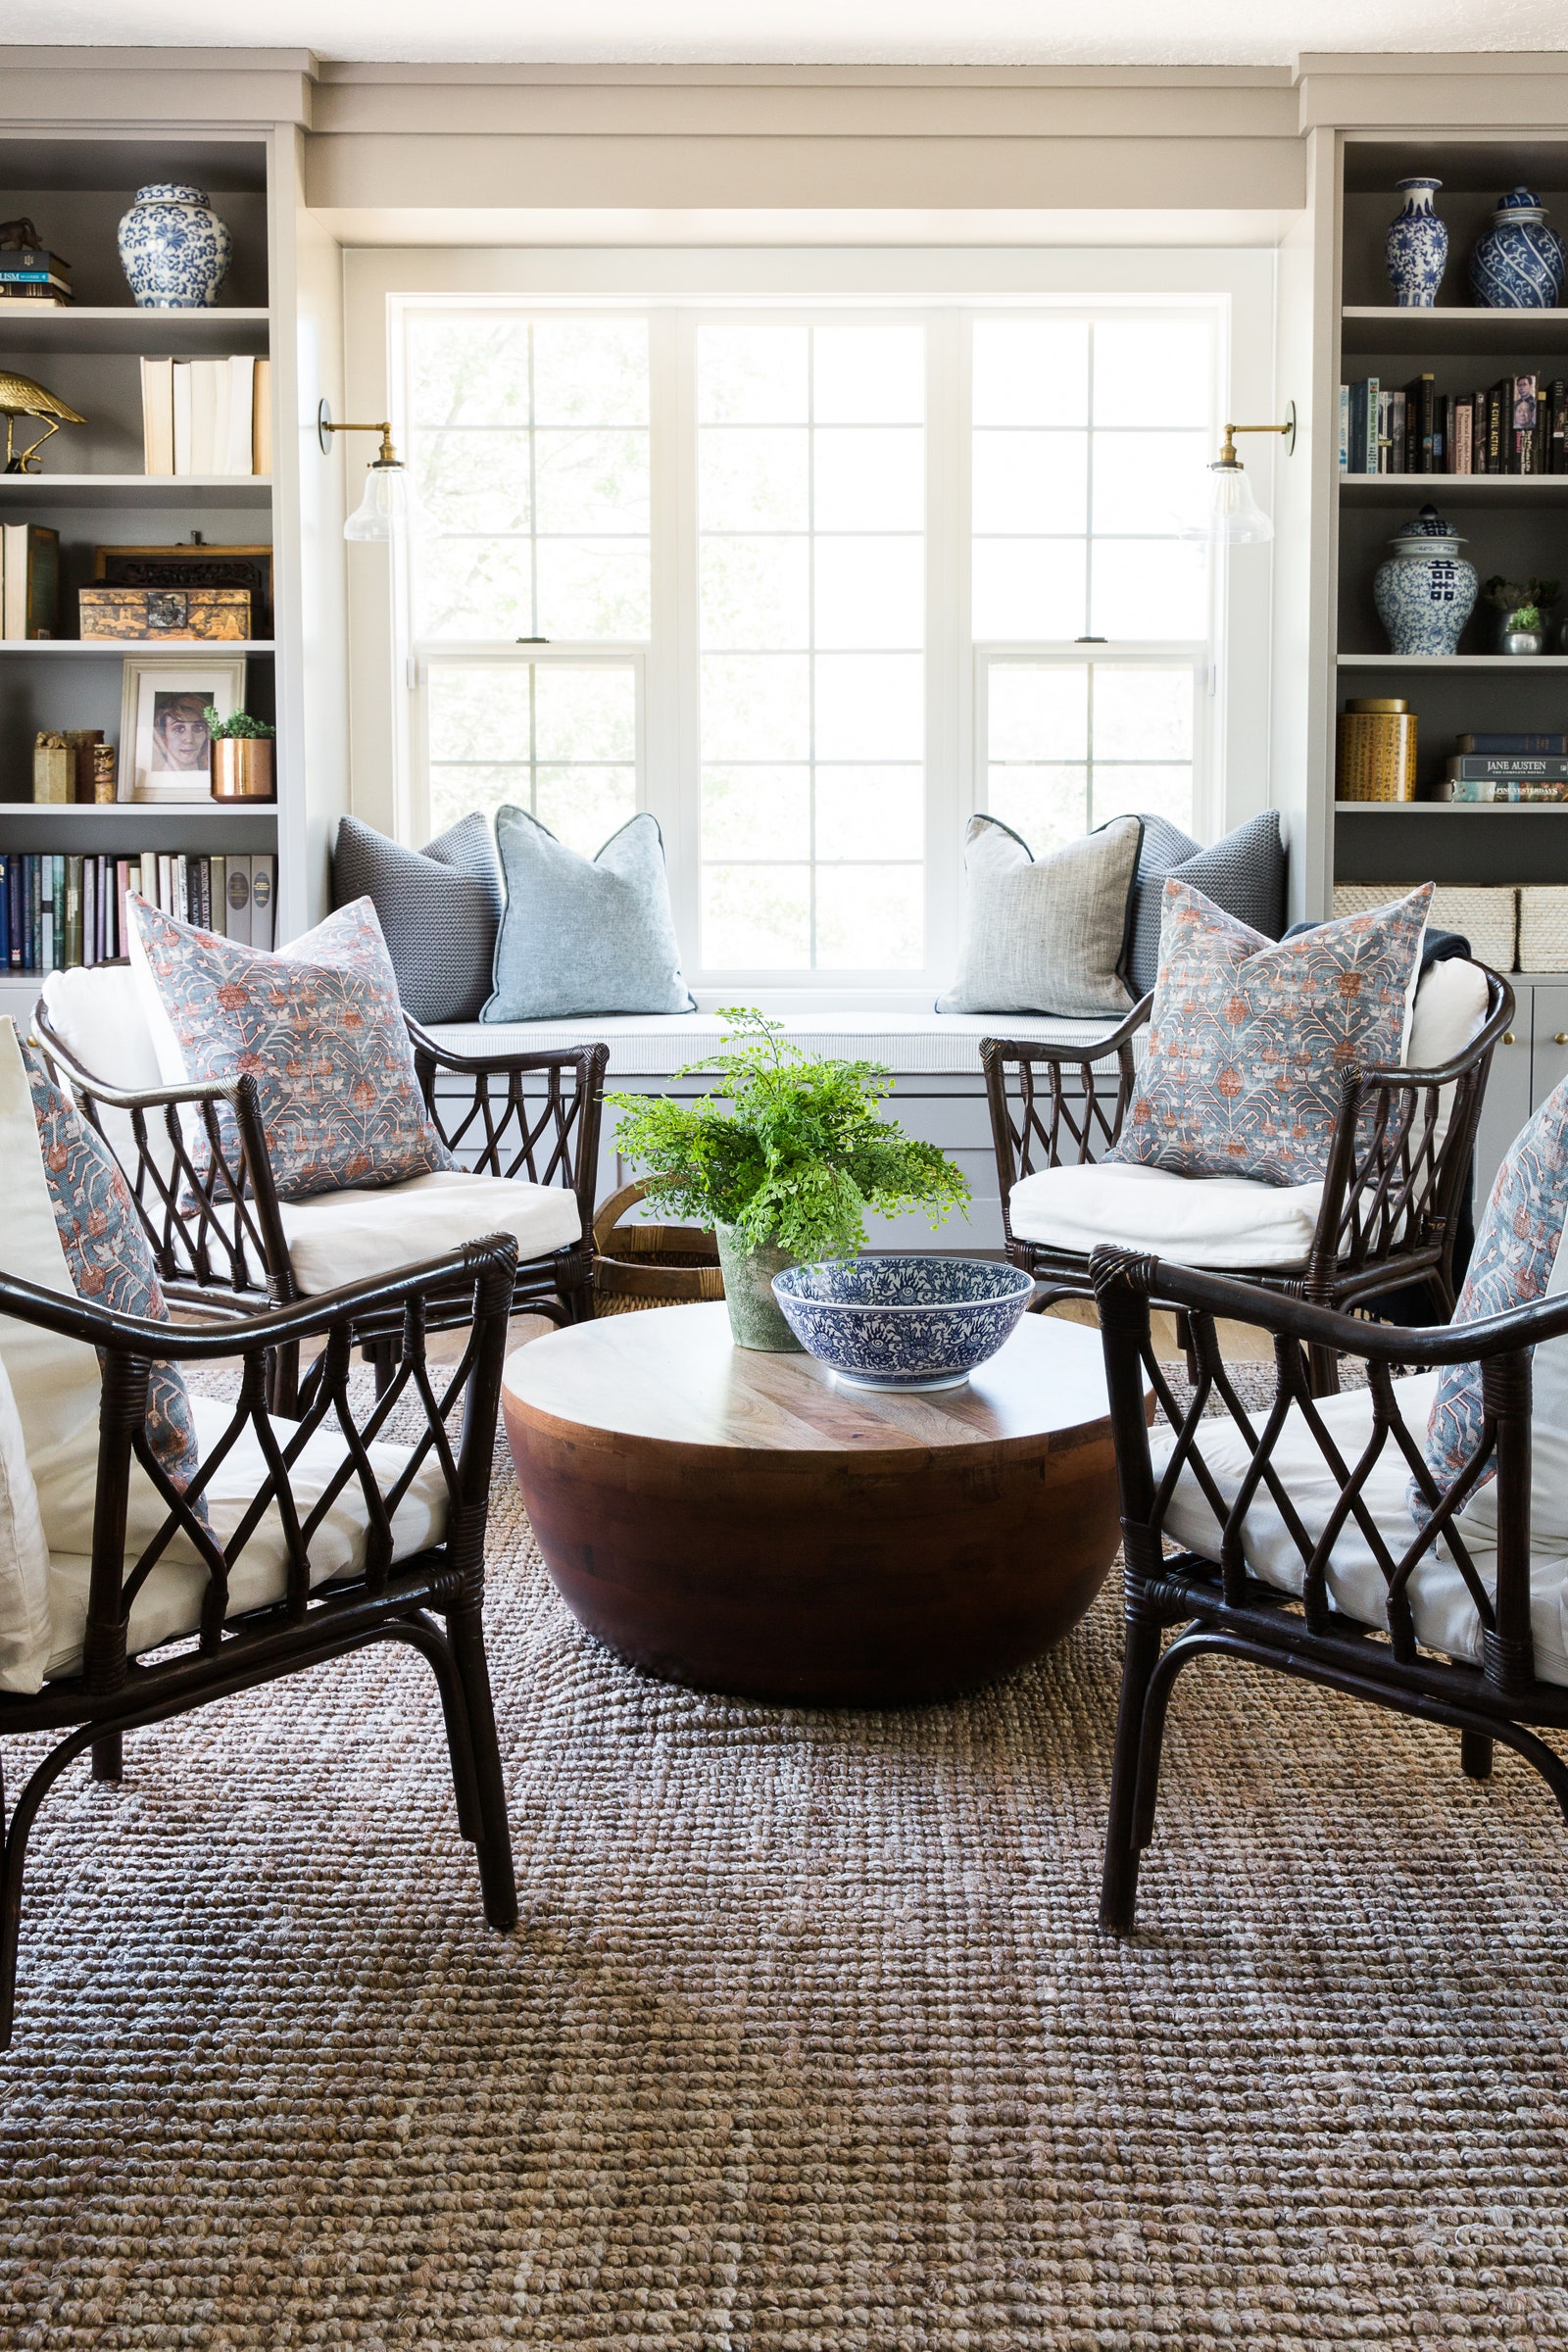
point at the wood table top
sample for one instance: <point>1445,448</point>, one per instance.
<point>673,1374</point>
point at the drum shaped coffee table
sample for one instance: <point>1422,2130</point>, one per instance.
<point>737,1521</point>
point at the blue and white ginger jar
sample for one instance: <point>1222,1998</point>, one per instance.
<point>173,248</point>
<point>1426,591</point>
<point>1518,265</point>
<point>1416,247</point>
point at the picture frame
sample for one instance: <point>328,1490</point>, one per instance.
<point>164,756</point>
<point>192,565</point>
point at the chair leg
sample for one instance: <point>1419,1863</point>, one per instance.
<point>283,1381</point>
<point>1475,1755</point>
<point>108,1757</point>
<point>1119,1899</point>
<point>493,1843</point>
<point>384,1356</point>
<point>1323,1371</point>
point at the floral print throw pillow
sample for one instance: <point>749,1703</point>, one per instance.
<point>108,1254</point>
<point>320,1029</point>
<point>1512,1264</point>
<point>1250,1038</point>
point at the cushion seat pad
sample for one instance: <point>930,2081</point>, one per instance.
<point>1215,1221</point>
<point>168,1605</point>
<point>347,1236</point>
<point>1444,1613</point>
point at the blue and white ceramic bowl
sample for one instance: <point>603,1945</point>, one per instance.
<point>902,1322</point>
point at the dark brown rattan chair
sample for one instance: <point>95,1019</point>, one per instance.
<point>1226,1611</point>
<point>431,1600</point>
<point>1389,1216</point>
<point>217,1233</point>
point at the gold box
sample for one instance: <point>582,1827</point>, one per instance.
<point>1376,752</point>
<point>143,616</point>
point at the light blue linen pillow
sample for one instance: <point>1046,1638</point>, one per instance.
<point>581,935</point>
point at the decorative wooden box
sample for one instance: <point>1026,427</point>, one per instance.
<point>212,616</point>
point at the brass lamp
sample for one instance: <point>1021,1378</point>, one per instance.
<point>20,396</point>
<point>388,508</point>
<point>1234,517</point>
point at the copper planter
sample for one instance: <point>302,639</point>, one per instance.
<point>242,767</point>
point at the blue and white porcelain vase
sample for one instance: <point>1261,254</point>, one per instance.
<point>1417,246</point>
<point>1518,265</point>
<point>173,248</point>
<point>1426,591</point>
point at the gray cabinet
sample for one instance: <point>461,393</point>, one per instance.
<point>1524,1071</point>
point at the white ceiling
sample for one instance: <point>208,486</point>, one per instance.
<point>1159,32</point>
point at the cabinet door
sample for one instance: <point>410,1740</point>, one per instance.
<point>1507,1102</point>
<point>1548,1046</point>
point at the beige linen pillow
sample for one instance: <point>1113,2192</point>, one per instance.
<point>1049,934</point>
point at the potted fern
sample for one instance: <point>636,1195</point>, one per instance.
<point>782,1158</point>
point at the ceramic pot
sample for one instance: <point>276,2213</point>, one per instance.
<point>1416,248</point>
<point>755,1320</point>
<point>242,767</point>
<point>1518,265</point>
<point>173,248</point>
<point>1521,640</point>
<point>1426,591</point>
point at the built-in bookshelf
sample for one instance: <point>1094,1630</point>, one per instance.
<point>93,490</point>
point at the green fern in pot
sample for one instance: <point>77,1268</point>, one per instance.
<point>783,1158</point>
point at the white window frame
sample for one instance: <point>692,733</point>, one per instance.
<point>1191,653</point>
<point>944,291</point>
<point>456,654</point>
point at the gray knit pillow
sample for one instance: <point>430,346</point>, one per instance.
<point>1244,874</point>
<point>439,907</point>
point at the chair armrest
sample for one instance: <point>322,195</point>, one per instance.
<point>1039,1121</point>
<point>550,1135</point>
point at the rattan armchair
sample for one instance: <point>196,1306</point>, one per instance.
<point>278,1498</point>
<point>213,1213</point>
<point>1309,1561</point>
<point>1399,1161</point>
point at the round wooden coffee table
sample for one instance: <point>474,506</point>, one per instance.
<point>736,1521</point>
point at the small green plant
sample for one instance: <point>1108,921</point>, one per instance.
<point>219,730</point>
<point>798,1156</point>
<point>1523,601</point>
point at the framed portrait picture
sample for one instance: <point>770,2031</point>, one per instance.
<point>165,753</point>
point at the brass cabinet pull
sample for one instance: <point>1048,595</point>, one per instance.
<point>1561,1037</point>
<point>1508,1038</point>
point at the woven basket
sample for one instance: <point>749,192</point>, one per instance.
<point>1543,928</point>
<point>1488,918</point>
<point>671,1262</point>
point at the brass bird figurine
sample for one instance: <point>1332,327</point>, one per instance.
<point>20,396</point>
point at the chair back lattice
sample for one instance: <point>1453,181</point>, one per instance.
<point>534,1117</point>
<point>1046,1112</point>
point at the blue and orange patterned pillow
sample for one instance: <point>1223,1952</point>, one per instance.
<point>1250,1038</point>
<point>109,1256</point>
<point>1516,1252</point>
<point>320,1029</point>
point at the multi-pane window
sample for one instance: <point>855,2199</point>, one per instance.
<point>750,569</point>
<point>810,513</point>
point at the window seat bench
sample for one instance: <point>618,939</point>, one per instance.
<point>939,1091</point>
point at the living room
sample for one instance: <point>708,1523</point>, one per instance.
<point>728,1106</point>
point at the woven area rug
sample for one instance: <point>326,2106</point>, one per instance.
<point>806,2040</point>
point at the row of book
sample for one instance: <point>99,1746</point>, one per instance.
<point>1519,426</point>
<point>60,911</point>
<point>33,274</point>
<point>1508,770</point>
<point>29,579</point>
<point>207,416</point>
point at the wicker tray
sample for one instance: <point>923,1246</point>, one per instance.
<point>652,1261</point>
<point>1543,928</point>
<point>1488,918</point>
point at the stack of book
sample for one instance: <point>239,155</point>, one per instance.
<point>207,416</point>
<point>1520,426</point>
<point>57,912</point>
<point>30,273</point>
<point>1502,770</point>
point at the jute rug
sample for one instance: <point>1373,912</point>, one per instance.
<point>806,2040</point>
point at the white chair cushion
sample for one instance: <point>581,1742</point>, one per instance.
<point>170,1603</point>
<point>99,1016</point>
<point>1451,1009</point>
<point>343,1236</point>
<point>24,1558</point>
<point>1198,1221</point>
<point>1444,1613</point>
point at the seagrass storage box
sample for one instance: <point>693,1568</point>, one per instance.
<point>1488,918</point>
<point>1543,928</point>
<point>1376,751</point>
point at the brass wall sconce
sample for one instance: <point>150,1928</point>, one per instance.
<point>1234,517</point>
<point>388,508</point>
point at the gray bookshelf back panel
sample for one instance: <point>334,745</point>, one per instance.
<point>1517,540</point>
<point>1514,844</point>
<point>79,224</point>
